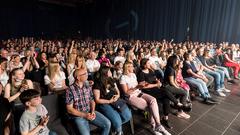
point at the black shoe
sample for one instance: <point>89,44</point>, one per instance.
<point>166,123</point>
<point>213,100</point>
<point>187,108</point>
<point>231,81</point>
<point>208,102</point>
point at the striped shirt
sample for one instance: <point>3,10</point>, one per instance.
<point>79,97</point>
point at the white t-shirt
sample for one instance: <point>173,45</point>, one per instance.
<point>92,65</point>
<point>131,81</point>
<point>119,58</point>
<point>58,80</point>
<point>30,120</point>
<point>155,61</point>
<point>4,78</point>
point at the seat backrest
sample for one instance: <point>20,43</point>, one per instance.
<point>51,103</point>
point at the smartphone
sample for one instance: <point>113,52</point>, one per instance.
<point>140,95</point>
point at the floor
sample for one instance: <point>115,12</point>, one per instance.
<point>220,119</point>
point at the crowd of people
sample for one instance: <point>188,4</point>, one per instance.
<point>102,80</point>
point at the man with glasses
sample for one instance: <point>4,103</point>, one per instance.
<point>81,106</point>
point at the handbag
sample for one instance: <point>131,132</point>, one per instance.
<point>120,105</point>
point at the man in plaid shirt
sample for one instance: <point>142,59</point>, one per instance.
<point>81,106</point>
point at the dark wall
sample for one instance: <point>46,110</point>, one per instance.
<point>32,18</point>
<point>202,20</point>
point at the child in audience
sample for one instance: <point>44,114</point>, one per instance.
<point>34,119</point>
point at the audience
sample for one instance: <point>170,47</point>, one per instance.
<point>59,65</point>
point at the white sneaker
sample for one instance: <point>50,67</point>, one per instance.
<point>161,129</point>
<point>221,94</point>
<point>157,133</point>
<point>226,90</point>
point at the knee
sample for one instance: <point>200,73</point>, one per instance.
<point>126,116</point>
<point>107,124</point>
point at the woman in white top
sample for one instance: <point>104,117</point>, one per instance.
<point>71,63</point>
<point>139,99</point>
<point>15,63</point>
<point>55,79</point>
<point>3,74</point>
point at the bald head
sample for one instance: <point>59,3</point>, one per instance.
<point>80,75</point>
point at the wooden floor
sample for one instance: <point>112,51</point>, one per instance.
<point>220,119</point>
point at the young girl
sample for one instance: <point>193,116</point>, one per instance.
<point>118,70</point>
<point>179,78</point>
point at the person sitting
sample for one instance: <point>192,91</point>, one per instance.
<point>197,80</point>
<point>5,115</point>
<point>179,79</point>
<point>55,78</point>
<point>228,62</point>
<point>80,105</point>
<point>140,100</point>
<point>34,119</point>
<point>3,74</point>
<point>106,94</point>
<point>118,70</point>
<point>171,84</point>
<point>92,64</point>
<point>17,84</point>
<point>217,74</point>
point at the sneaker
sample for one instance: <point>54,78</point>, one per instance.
<point>187,108</point>
<point>213,100</point>
<point>208,101</point>
<point>231,81</point>
<point>161,129</point>
<point>183,115</point>
<point>157,133</point>
<point>226,90</point>
<point>221,94</point>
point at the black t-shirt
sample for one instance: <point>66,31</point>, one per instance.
<point>187,66</point>
<point>168,72</point>
<point>147,77</point>
<point>105,94</point>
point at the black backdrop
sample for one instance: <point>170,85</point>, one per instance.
<point>202,20</point>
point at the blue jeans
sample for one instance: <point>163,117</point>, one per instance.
<point>116,118</point>
<point>218,78</point>
<point>200,85</point>
<point>52,133</point>
<point>225,70</point>
<point>100,121</point>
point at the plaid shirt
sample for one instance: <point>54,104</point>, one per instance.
<point>79,97</point>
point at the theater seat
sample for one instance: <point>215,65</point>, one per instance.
<point>52,105</point>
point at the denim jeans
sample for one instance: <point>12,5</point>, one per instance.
<point>200,85</point>
<point>218,79</point>
<point>225,70</point>
<point>100,121</point>
<point>116,118</point>
<point>52,133</point>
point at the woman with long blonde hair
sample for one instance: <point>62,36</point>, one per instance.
<point>140,100</point>
<point>55,79</point>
